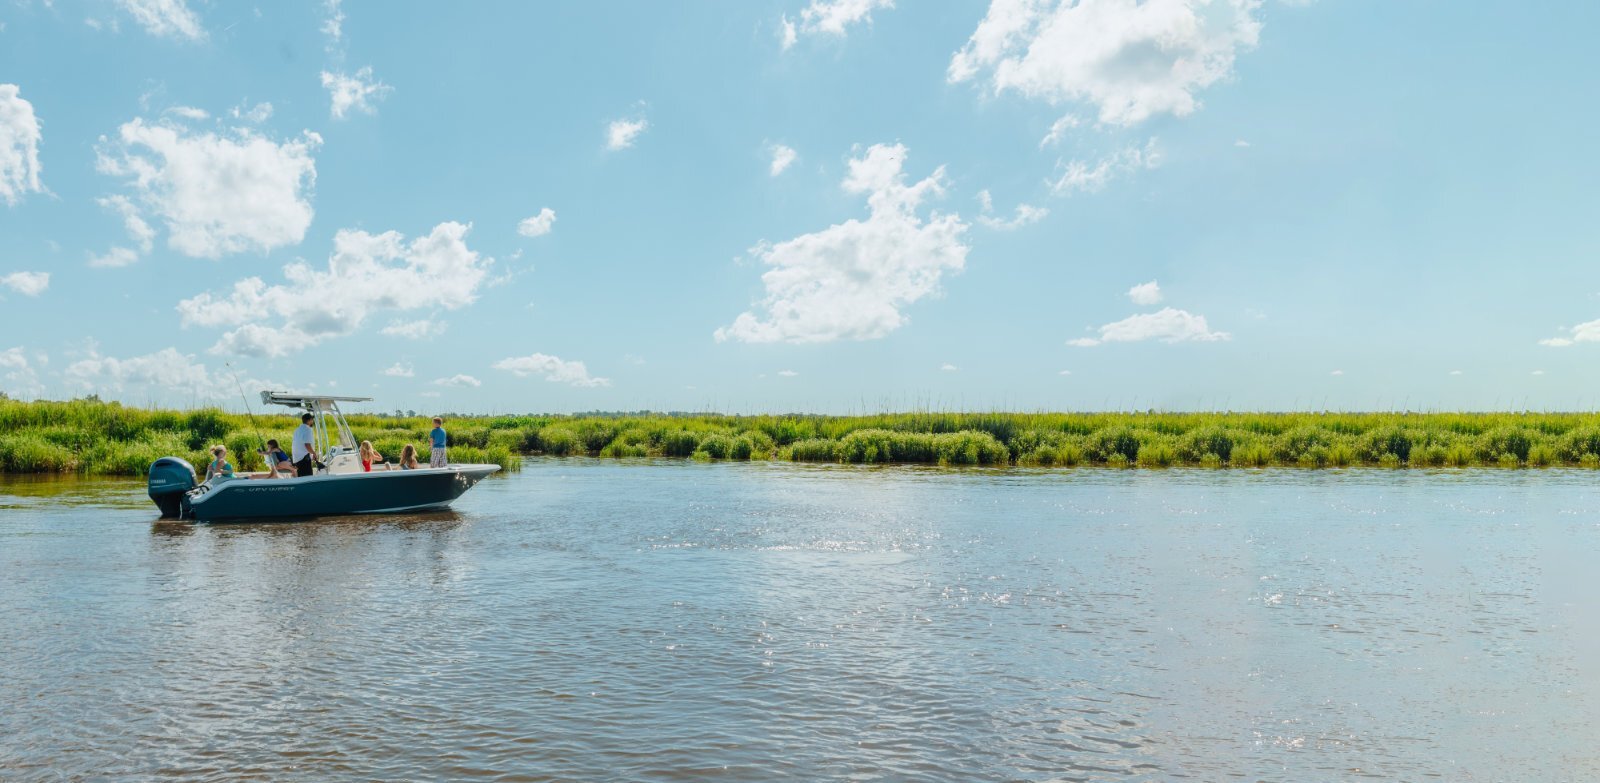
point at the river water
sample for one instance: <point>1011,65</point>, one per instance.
<point>599,620</point>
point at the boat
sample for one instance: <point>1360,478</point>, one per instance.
<point>339,486</point>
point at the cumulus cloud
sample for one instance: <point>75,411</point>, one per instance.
<point>27,283</point>
<point>458,381</point>
<point>19,146</point>
<point>1129,60</point>
<point>217,194</point>
<point>782,156</point>
<point>138,229</point>
<point>13,358</point>
<point>1026,214</point>
<point>552,369</point>
<point>850,280</point>
<point>1586,332</point>
<point>366,274</point>
<point>831,17</point>
<point>1169,325</point>
<point>538,225</point>
<point>164,369</point>
<point>115,257</point>
<point>165,18</point>
<point>947,367</point>
<point>620,134</point>
<point>353,92</point>
<point>788,373</point>
<point>1145,293</point>
<point>1084,176</point>
<point>400,371</point>
<point>20,376</point>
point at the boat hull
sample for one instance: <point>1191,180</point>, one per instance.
<point>381,492</point>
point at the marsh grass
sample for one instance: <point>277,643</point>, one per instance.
<point>90,436</point>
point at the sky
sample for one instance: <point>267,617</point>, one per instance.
<point>832,206</point>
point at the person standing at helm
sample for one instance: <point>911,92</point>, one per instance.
<point>439,439</point>
<point>304,447</point>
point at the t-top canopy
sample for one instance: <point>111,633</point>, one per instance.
<point>307,401</point>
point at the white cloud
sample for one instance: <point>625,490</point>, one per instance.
<point>1145,293</point>
<point>165,18</point>
<point>458,381</point>
<point>164,369</point>
<point>621,133</point>
<point>366,274</point>
<point>19,146</point>
<point>217,194</point>
<point>353,92</point>
<point>413,329</point>
<point>333,24</point>
<point>1081,176</point>
<point>115,257</point>
<point>254,115</point>
<point>1168,325</point>
<point>400,371</point>
<point>1337,373</point>
<point>788,373</point>
<point>427,394</point>
<point>947,367</point>
<point>190,113</point>
<point>552,369</point>
<point>538,225</point>
<point>1538,372</point>
<point>1586,332</point>
<point>850,280</point>
<point>1064,372</point>
<point>21,378</point>
<point>27,283</point>
<point>13,358</point>
<point>1058,130</point>
<point>1241,143</point>
<point>1455,372</point>
<point>138,230</point>
<point>1128,59</point>
<point>1026,214</point>
<point>832,17</point>
<point>782,156</point>
<point>788,34</point>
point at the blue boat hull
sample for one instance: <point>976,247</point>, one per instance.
<point>380,492</point>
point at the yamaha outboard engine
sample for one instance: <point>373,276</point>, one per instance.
<point>170,478</point>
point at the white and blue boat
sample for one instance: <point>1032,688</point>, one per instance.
<point>339,486</point>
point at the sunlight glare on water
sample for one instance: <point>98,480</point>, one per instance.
<point>599,620</point>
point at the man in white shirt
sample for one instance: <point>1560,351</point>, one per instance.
<point>304,448</point>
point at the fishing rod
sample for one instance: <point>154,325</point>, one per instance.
<point>247,410</point>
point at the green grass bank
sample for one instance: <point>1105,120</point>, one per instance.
<point>94,437</point>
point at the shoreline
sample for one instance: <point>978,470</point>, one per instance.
<point>92,437</point>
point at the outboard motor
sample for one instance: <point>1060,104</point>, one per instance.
<point>170,478</point>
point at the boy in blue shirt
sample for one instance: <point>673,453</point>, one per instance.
<point>440,440</point>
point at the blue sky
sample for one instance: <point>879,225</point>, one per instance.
<point>809,205</point>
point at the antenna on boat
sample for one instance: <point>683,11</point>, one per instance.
<point>247,410</point>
